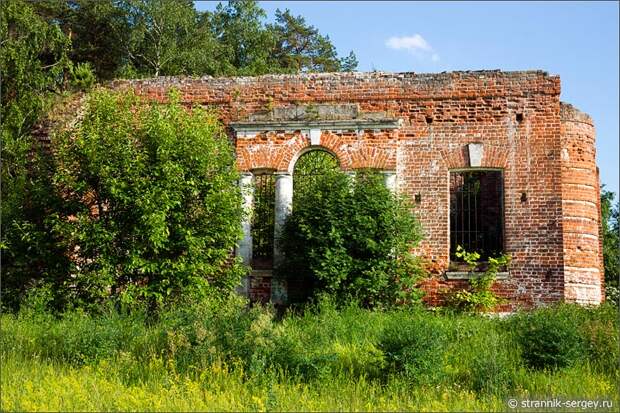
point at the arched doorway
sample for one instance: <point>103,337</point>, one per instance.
<point>309,169</point>
<point>310,166</point>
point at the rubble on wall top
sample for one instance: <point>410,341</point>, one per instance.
<point>570,113</point>
<point>422,77</point>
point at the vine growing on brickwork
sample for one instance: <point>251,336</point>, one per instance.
<point>479,296</point>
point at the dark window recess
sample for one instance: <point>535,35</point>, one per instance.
<point>262,221</point>
<point>476,212</point>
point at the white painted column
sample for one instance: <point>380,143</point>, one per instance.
<point>244,248</point>
<point>283,207</point>
<point>390,180</point>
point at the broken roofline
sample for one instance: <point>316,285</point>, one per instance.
<point>354,75</point>
<point>228,90</point>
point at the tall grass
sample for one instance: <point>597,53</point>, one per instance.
<point>228,356</point>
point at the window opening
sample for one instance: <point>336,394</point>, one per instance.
<point>476,212</point>
<point>263,221</point>
<point>310,167</point>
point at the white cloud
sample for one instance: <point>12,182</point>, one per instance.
<point>415,42</point>
<point>416,45</point>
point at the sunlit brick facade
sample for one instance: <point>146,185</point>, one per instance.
<point>417,128</point>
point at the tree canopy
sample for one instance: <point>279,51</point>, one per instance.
<point>49,47</point>
<point>611,236</point>
<point>136,38</point>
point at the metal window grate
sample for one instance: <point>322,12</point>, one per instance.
<point>476,212</point>
<point>263,221</point>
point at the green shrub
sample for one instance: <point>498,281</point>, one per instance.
<point>152,209</point>
<point>601,331</point>
<point>82,76</point>
<point>32,252</point>
<point>550,338</point>
<point>612,295</point>
<point>351,238</point>
<point>414,346</point>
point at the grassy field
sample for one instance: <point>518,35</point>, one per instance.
<point>224,356</point>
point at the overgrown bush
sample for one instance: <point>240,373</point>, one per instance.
<point>414,346</point>
<point>82,76</point>
<point>32,252</point>
<point>151,206</point>
<point>351,238</point>
<point>550,338</point>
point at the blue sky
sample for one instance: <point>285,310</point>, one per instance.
<point>576,40</point>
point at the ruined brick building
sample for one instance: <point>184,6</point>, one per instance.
<point>492,160</point>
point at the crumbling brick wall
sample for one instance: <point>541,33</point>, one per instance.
<point>583,263</point>
<point>544,148</point>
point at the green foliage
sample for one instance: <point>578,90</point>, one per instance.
<point>99,31</point>
<point>351,238</point>
<point>33,63</point>
<point>414,346</point>
<point>246,45</point>
<point>549,338</point>
<point>611,237</point>
<point>325,342</point>
<point>219,350</point>
<point>309,169</point>
<point>600,332</point>
<point>301,48</point>
<point>479,296</point>
<point>612,295</point>
<point>33,60</point>
<point>349,63</point>
<point>170,37</point>
<point>31,249</point>
<point>82,76</point>
<point>152,205</point>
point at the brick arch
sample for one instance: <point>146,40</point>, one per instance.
<point>494,156</point>
<point>329,142</point>
<point>258,156</point>
<point>373,157</point>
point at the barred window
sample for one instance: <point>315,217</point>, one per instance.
<point>476,212</point>
<point>263,220</point>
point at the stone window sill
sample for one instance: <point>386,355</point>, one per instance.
<point>464,275</point>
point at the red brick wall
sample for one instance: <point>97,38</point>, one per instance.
<point>441,114</point>
<point>583,267</point>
